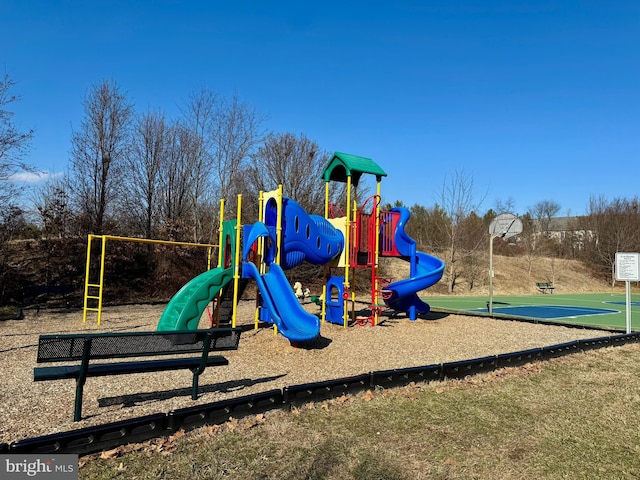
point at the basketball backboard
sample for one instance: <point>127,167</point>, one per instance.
<point>505,225</point>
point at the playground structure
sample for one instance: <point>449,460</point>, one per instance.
<point>284,237</point>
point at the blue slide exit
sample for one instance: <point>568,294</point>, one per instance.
<point>425,271</point>
<point>285,311</point>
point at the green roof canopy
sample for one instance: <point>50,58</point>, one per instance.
<point>343,165</point>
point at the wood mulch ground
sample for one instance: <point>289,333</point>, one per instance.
<point>264,361</point>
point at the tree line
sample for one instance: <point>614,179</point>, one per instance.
<point>145,174</point>
<point>453,228</point>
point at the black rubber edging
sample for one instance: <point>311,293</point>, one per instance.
<point>318,391</point>
<point>219,412</point>
<point>464,368</point>
<point>94,439</point>
<point>399,377</point>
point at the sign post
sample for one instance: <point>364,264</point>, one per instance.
<point>504,225</point>
<point>628,270</point>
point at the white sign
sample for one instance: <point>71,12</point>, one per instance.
<point>628,267</point>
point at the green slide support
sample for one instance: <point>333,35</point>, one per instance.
<point>184,310</point>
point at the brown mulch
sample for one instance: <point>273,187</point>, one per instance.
<point>264,361</point>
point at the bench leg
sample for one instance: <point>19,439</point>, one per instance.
<point>82,377</point>
<point>194,385</point>
<point>77,409</point>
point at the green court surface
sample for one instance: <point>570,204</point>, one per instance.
<point>598,310</point>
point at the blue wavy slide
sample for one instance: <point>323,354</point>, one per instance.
<point>305,237</point>
<point>425,271</point>
<point>292,320</point>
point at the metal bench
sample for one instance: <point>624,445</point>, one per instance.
<point>545,287</point>
<point>85,347</point>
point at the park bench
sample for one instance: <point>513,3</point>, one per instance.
<point>81,349</point>
<point>545,287</point>
<point>42,295</point>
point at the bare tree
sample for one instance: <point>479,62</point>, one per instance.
<point>199,116</point>
<point>458,201</point>
<point>506,205</point>
<point>542,213</point>
<point>296,162</point>
<point>13,142</point>
<point>473,239</point>
<point>615,227</point>
<point>98,152</point>
<point>236,133</point>
<point>177,180</point>
<point>527,243</point>
<point>53,207</point>
<point>146,163</point>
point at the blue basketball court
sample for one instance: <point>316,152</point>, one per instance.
<point>548,312</point>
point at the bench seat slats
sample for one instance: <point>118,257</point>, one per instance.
<point>117,368</point>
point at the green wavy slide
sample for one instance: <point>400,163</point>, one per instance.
<point>184,310</point>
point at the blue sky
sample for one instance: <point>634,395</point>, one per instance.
<point>534,100</point>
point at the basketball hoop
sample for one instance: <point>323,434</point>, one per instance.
<point>505,225</point>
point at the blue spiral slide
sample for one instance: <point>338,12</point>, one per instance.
<point>425,271</point>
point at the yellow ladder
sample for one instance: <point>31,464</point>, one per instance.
<point>90,288</point>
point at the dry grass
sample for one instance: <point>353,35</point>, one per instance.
<point>570,418</point>
<point>514,276</point>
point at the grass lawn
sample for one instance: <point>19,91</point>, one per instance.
<point>502,305</point>
<point>572,418</point>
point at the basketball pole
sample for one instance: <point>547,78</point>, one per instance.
<point>491,238</point>
<point>504,225</point>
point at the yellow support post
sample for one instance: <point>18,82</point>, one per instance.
<point>376,257</point>
<point>278,237</point>
<point>220,239</point>
<point>87,282</point>
<point>261,265</point>
<point>352,291</point>
<point>236,275</point>
<point>279,224</point>
<point>347,244</point>
<point>104,252</point>
<point>216,300</point>
<point>326,200</point>
<point>325,271</point>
